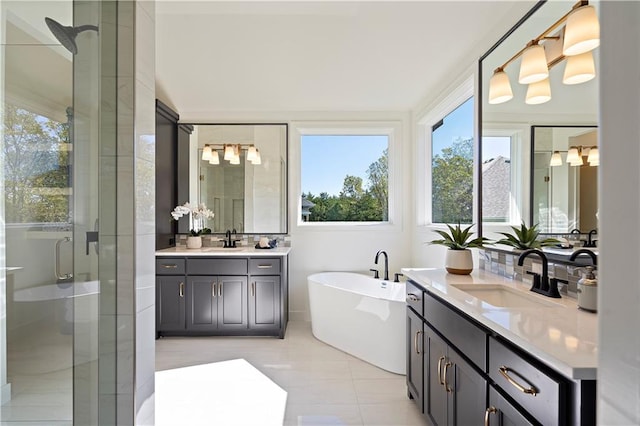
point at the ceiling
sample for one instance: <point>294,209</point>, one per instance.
<point>214,57</point>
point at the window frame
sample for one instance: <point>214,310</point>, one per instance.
<point>391,129</point>
<point>520,153</point>
<point>424,158</point>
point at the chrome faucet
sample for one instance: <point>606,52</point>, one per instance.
<point>386,263</point>
<point>541,283</point>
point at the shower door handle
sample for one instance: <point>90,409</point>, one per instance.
<point>92,237</point>
<point>57,263</point>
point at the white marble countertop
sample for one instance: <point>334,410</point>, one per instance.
<point>554,331</point>
<point>243,251</point>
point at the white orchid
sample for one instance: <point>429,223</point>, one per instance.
<point>199,213</point>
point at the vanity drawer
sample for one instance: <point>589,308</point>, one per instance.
<point>520,378</point>
<point>470,339</point>
<point>206,266</point>
<point>266,266</point>
<point>415,296</point>
<point>169,266</point>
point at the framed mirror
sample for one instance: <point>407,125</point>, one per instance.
<point>240,173</point>
<point>564,178</point>
<point>506,128</point>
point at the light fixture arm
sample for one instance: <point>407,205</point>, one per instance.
<point>545,36</point>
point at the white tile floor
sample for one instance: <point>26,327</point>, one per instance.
<point>324,386</point>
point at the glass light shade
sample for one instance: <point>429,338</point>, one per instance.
<point>499,88</point>
<point>206,153</point>
<point>556,159</point>
<point>236,155</point>
<point>228,152</point>
<point>578,162</point>
<point>579,69</point>
<point>252,153</point>
<point>594,156</point>
<point>582,31</point>
<point>533,66</point>
<point>573,156</point>
<point>258,160</point>
<point>215,158</point>
<point>538,92</point>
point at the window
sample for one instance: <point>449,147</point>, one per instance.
<point>497,196</point>
<point>452,166</point>
<point>345,177</point>
<point>36,156</point>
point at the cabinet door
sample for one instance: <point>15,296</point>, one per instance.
<point>264,302</point>
<point>232,302</point>
<point>435,362</point>
<point>502,412</point>
<point>201,303</point>
<point>170,303</point>
<point>468,392</point>
<point>415,345</point>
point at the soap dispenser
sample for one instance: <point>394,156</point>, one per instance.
<point>588,291</point>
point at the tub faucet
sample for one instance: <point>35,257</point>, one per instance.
<point>541,283</point>
<point>386,263</point>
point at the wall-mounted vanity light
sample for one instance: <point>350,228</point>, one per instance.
<point>580,35</point>
<point>231,153</point>
<point>575,156</point>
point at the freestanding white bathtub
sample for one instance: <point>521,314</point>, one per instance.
<point>360,315</point>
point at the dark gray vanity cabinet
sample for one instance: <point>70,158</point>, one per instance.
<point>216,303</point>
<point>415,345</point>
<point>473,375</point>
<point>221,296</point>
<point>454,393</point>
<point>170,294</point>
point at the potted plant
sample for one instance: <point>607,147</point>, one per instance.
<point>197,214</point>
<point>526,238</point>
<point>459,259</point>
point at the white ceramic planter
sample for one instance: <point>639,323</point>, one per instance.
<point>194,242</point>
<point>459,262</point>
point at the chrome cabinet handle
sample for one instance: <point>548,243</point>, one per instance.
<point>213,289</point>
<point>253,289</point>
<point>412,297</point>
<point>181,290</point>
<point>220,290</point>
<point>265,266</point>
<point>442,358</point>
<point>487,413</point>
<point>415,341</point>
<point>444,375</point>
<point>505,373</point>
<point>170,266</point>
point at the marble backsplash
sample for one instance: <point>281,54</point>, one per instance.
<point>505,263</point>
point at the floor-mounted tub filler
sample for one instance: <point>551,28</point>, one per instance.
<point>360,315</point>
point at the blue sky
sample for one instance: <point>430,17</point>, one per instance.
<point>327,159</point>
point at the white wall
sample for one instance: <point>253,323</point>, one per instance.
<point>315,250</point>
<point>619,190</point>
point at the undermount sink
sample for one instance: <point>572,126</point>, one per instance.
<point>501,296</point>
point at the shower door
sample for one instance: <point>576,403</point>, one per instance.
<point>57,263</point>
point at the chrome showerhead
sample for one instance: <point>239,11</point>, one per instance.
<point>67,35</point>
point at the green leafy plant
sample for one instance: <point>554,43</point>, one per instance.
<point>526,238</point>
<point>459,239</point>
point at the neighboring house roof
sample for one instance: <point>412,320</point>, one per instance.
<point>496,188</point>
<point>306,205</point>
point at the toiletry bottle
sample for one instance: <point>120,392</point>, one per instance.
<point>588,291</point>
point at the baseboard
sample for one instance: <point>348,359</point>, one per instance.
<point>299,316</point>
